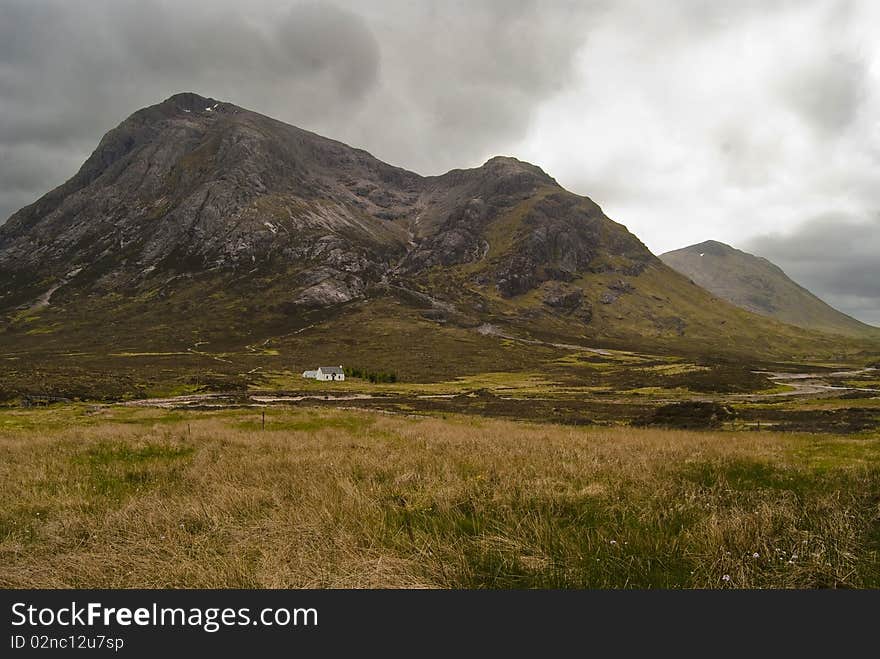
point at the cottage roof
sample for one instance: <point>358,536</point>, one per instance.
<point>334,370</point>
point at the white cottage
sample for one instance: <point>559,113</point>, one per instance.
<point>325,373</point>
<point>330,373</point>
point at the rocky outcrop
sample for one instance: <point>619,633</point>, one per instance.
<point>458,239</point>
<point>615,290</point>
<point>564,300</point>
<point>563,236</point>
<point>329,292</point>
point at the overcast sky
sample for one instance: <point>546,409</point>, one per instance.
<point>751,122</point>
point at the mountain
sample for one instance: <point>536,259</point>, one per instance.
<point>757,285</point>
<point>194,185</point>
<point>199,222</point>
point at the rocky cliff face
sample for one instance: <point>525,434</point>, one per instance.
<point>194,185</point>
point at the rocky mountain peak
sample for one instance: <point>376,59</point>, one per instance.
<point>713,247</point>
<point>509,166</point>
<point>511,176</point>
<point>190,101</point>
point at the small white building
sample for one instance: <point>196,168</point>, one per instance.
<point>330,373</point>
<point>326,373</point>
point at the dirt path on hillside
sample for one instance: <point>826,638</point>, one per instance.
<point>487,329</point>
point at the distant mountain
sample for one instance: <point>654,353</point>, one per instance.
<point>196,220</point>
<point>757,285</point>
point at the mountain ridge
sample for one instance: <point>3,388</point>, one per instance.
<point>192,159</point>
<point>195,220</point>
<point>758,285</point>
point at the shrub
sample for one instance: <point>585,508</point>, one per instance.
<point>375,377</point>
<point>693,414</point>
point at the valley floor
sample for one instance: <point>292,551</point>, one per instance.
<point>125,496</point>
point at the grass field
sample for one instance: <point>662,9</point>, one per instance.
<point>124,497</point>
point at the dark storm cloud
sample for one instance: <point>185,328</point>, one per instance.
<point>836,257</point>
<point>70,71</point>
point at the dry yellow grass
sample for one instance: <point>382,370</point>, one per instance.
<point>338,498</point>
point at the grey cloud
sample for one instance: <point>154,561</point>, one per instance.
<point>71,71</point>
<point>324,38</point>
<point>26,170</point>
<point>836,257</point>
<point>828,93</point>
<point>462,80</point>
